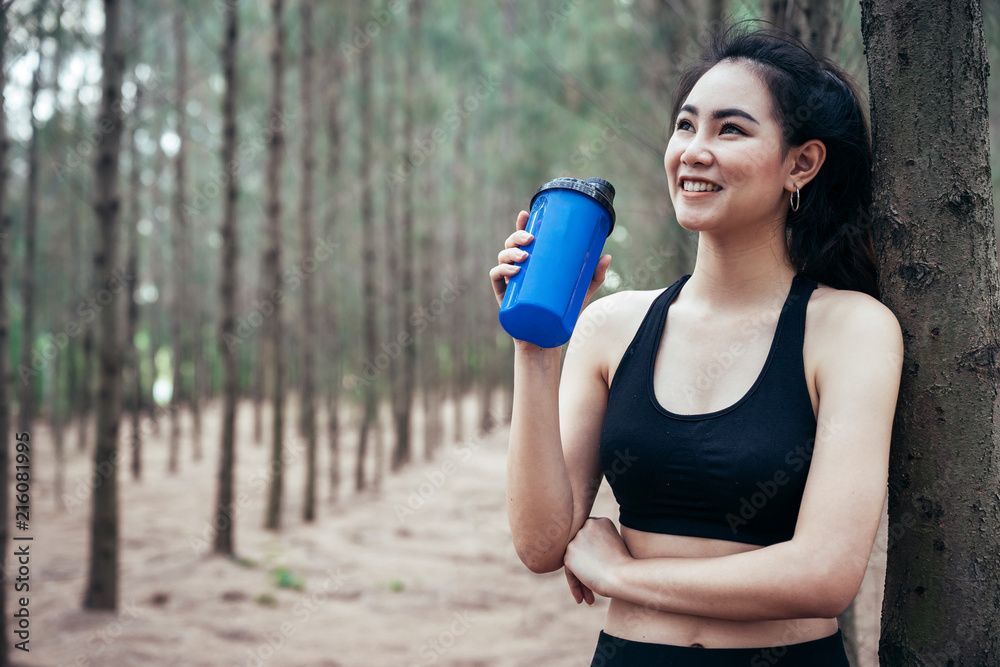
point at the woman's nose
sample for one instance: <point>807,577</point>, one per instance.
<point>696,152</point>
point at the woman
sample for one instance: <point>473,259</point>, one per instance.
<point>746,433</point>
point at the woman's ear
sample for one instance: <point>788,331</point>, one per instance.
<point>806,161</point>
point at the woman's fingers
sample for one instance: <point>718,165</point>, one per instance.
<point>520,237</point>
<point>575,587</point>
<point>588,595</point>
<point>509,255</point>
<point>508,258</point>
<point>580,592</point>
<point>499,275</point>
<point>522,220</point>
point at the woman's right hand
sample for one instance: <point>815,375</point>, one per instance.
<point>508,261</point>
<point>507,266</point>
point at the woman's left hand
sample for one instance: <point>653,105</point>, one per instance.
<point>594,553</point>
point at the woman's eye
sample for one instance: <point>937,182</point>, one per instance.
<point>684,125</point>
<point>729,128</point>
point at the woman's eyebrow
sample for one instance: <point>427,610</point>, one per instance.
<point>719,114</point>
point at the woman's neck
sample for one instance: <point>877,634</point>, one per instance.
<point>741,273</point>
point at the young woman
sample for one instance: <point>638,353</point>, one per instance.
<point>742,416</point>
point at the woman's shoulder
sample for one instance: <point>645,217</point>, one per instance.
<point>626,305</point>
<point>610,322</point>
<point>845,318</point>
<point>606,327</point>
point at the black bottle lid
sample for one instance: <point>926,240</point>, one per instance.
<point>596,188</point>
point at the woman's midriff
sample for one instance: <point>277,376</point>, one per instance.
<point>637,623</point>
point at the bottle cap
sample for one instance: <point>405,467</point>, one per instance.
<point>597,189</point>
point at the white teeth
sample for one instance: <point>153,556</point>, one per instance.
<point>700,186</point>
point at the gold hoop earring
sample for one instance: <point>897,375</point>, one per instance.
<point>794,199</point>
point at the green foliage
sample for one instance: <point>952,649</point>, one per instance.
<point>284,578</point>
<point>394,585</point>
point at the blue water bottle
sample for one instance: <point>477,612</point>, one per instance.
<point>570,219</point>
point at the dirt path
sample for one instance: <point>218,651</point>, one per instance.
<point>422,573</point>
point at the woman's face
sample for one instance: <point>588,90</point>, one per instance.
<point>725,163</point>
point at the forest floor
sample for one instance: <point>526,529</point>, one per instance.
<point>421,572</point>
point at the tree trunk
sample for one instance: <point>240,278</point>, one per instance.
<point>814,22</point>
<point>197,356</point>
<point>272,269</point>
<point>180,233</point>
<point>102,583</point>
<point>260,384</point>
<point>82,273</point>
<point>308,401</point>
<point>716,12</point>
<point>935,237</point>
<point>4,340</point>
<point>819,33</point>
<point>430,379</point>
<point>783,15</point>
<point>225,514</point>
<point>458,330</point>
<point>58,432</point>
<point>393,281</point>
<point>408,381</point>
<point>336,69</point>
<point>134,384</point>
<point>86,389</point>
<point>29,387</point>
<point>367,259</point>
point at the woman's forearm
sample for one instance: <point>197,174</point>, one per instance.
<point>777,582</point>
<point>539,495</point>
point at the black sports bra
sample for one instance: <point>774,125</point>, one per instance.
<point>735,474</point>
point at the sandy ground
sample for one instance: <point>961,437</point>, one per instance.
<point>422,572</point>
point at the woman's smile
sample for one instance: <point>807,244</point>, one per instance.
<point>692,187</point>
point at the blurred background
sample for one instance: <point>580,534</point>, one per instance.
<point>382,151</point>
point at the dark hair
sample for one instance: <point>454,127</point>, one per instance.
<point>828,236</point>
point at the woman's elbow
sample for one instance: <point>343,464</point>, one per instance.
<point>539,561</point>
<point>831,593</point>
<point>825,604</point>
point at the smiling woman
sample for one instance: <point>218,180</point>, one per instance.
<point>755,418</point>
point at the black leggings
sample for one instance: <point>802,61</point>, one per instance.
<point>614,652</point>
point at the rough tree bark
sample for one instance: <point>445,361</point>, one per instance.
<point>102,582</point>
<point>935,238</point>
<point>225,515</point>
<point>306,227</point>
<point>272,269</point>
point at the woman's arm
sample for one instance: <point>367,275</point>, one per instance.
<point>553,463</point>
<point>818,572</point>
<point>552,459</point>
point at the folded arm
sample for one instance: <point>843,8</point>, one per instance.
<point>858,357</point>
